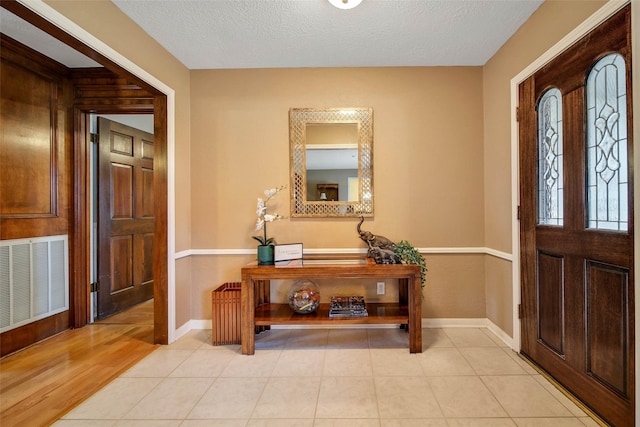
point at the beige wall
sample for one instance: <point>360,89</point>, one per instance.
<point>550,23</point>
<point>427,168</point>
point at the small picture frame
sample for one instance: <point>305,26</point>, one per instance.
<point>287,252</point>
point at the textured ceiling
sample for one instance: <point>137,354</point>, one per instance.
<point>211,34</point>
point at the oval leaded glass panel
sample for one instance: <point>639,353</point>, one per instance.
<point>550,176</point>
<point>607,171</point>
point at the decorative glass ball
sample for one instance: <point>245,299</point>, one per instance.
<point>304,296</point>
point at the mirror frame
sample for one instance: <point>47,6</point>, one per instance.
<point>300,207</point>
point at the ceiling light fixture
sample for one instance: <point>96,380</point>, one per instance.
<point>345,4</point>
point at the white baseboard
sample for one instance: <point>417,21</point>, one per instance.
<point>454,323</point>
<point>509,341</point>
<point>193,324</point>
<point>196,324</point>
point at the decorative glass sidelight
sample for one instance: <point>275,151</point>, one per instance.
<point>550,176</point>
<point>607,163</point>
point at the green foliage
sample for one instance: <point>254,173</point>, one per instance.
<point>410,255</point>
<point>263,241</point>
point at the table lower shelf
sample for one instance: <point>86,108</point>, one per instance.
<point>379,314</point>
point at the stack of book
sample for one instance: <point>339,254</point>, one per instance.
<point>348,306</point>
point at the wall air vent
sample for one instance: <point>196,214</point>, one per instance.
<point>34,279</point>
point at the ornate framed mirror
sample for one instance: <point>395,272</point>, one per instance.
<point>331,162</point>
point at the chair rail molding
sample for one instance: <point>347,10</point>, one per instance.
<point>351,251</point>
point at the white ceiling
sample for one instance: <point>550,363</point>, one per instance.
<point>213,34</point>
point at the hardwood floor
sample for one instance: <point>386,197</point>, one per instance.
<point>43,382</point>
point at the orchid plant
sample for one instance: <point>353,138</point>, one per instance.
<point>264,217</point>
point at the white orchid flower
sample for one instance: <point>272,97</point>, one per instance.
<point>262,207</point>
<point>264,217</point>
<point>270,217</point>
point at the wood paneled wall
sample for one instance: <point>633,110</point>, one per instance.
<point>35,162</point>
<point>44,163</point>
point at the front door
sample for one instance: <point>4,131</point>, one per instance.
<point>125,217</point>
<point>576,228</point>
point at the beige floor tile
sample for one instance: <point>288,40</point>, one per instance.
<point>341,422</point>
<point>214,423</point>
<point>469,337</point>
<point>280,423</point>
<point>435,337</point>
<point>288,397</point>
<point>272,339</point>
<point>308,339</point>
<point>589,422</point>
<point>108,402</point>
<point>348,338</point>
<point>84,423</point>
<point>548,422</point>
<point>204,364</point>
<point>520,361</point>
<point>160,363</point>
<point>229,398</point>
<point>406,397</point>
<point>388,338</point>
<point>347,397</point>
<point>425,422</point>
<point>193,339</point>
<point>562,398</point>
<point>332,378</point>
<point>491,361</point>
<point>387,362</point>
<point>300,363</point>
<point>481,422</point>
<point>148,423</point>
<point>260,364</point>
<point>444,361</point>
<point>465,396</point>
<point>347,363</point>
<point>523,396</point>
<point>493,337</point>
<point>173,398</point>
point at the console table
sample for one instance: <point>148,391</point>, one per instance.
<point>258,313</point>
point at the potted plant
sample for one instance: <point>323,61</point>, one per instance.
<point>410,255</point>
<point>265,249</point>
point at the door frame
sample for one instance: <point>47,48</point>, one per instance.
<point>589,24</point>
<point>75,36</point>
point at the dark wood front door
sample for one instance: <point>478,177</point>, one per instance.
<point>126,217</point>
<point>577,220</point>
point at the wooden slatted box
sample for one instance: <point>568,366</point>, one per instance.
<point>225,314</point>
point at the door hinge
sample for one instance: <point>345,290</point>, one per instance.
<point>94,138</point>
<point>518,213</point>
<point>520,316</point>
<point>517,114</point>
<point>94,287</point>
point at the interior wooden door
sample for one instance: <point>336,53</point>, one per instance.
<point>575,124</point>
<point>126,217</point>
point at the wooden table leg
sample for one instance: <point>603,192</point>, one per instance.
<point>247,308</point>
<point>415,315</point>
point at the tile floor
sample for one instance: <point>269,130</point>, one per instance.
<point>332,377</point>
